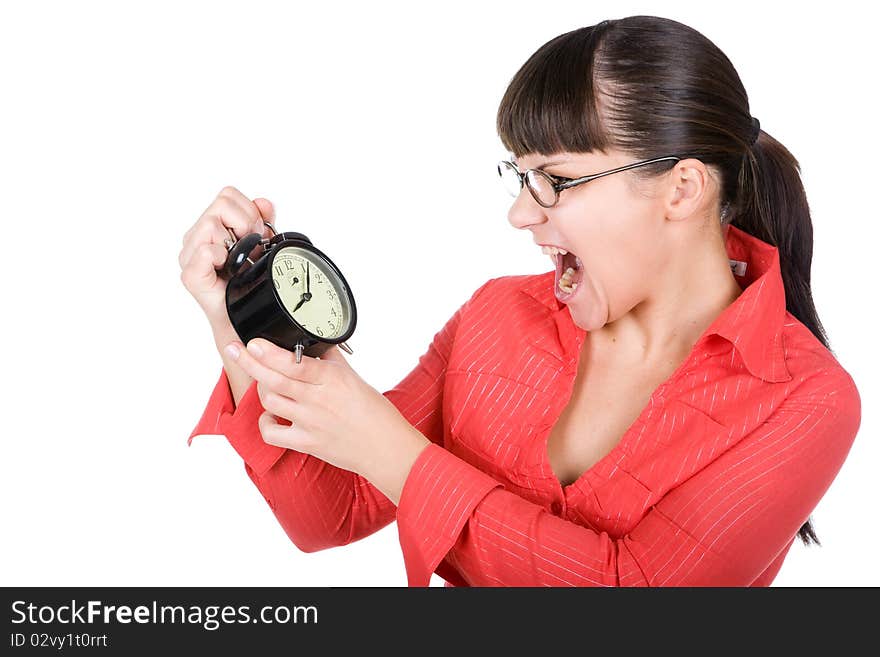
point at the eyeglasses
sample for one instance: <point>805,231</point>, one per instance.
<point>545,188</point>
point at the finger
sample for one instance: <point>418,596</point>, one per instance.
<point>277,433</point>
<point>284,407</point>
<point>267,210</point>
<point>245,205</point>
<point>254,215</point>
<point>308,370</point>
<point>200,272</point>
<point>256,211</point>
<point>273,379</point>
<point>228,215</point>
<point>212,227</point>
<point>266,393</point>
<point>211,234</point>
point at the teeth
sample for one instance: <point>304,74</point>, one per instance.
<point>552,250</point>
<point>565,283</point>
<point>567,287</point>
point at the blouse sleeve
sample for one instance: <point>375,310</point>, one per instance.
<point>722,527</point>
<point>317,504</point>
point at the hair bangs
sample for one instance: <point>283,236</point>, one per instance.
<point>551,105</point>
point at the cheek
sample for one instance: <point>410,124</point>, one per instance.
<point>614,246</point>
<point>627,238</point>
<point>621,266</point>
<point>606,247</point>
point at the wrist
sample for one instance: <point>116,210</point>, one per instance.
<point>223,337</point>
<point>390,473</point>
<point>239,380</point>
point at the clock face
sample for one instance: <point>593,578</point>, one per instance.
<point>298,273</point>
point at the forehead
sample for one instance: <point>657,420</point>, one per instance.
<point>537,160</point>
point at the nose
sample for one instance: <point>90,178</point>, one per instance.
<point>525,211</point>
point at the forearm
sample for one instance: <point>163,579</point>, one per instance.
<point>239,380</point>
<point>320,506</point>
<point>317,504</point>
<point>388,473</point>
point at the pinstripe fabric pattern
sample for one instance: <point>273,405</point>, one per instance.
<point>708,486</point>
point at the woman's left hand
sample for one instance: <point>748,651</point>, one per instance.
<point>335,415</point>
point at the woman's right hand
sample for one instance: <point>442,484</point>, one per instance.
<point>204,250</point>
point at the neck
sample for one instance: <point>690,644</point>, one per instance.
<point>685,299</point>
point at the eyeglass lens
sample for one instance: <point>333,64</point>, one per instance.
<point>539,185</point>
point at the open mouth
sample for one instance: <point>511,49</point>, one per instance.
<point>569,273</point>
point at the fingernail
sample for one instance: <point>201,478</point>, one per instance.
<point>232,351</point>
<point>254,348</point>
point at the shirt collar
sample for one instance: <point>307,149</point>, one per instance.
<point>753,323</point>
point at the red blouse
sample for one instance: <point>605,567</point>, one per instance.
<point>708,486</point>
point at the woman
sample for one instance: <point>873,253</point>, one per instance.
<point>661,409</point>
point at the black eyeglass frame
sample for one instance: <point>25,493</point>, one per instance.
<point>560,183</point>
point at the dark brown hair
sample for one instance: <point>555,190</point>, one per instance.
<point>651,86</point>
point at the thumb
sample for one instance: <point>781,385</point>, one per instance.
<point>267,211</point>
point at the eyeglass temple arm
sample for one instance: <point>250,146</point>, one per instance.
<point>578,181</point>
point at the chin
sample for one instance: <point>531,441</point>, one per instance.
<point>583,321</point>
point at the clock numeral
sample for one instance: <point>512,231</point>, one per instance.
<point>318,278</point>
<point>277,284</point>
<point>331,294</point>
<point>288,264</point>
<point>279,271</point>
<point>319,331</point>
<point>332,326</point>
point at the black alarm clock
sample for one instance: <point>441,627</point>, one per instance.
<point>291,293</point>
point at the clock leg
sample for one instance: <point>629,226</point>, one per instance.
<point>299,351</point>
<point>345,348</point>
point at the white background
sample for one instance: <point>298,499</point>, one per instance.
<point>371,126</point>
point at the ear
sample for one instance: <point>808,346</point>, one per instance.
<point>688,184</point>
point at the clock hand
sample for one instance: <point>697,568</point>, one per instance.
<point>307,295</point>
<point>302,300</point>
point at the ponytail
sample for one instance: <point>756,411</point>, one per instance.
<point>771,205</point>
